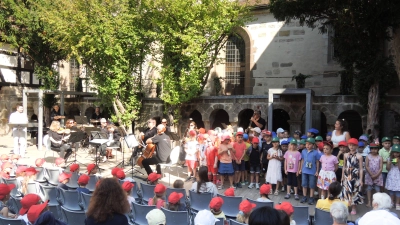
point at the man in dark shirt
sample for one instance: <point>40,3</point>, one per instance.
<point>266,145</point>
<point>163,150</point>
<point>257,121</point>
<point>97,114</point>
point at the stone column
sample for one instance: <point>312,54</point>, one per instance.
<point>234,125</point>
<point>295,125</point>
<point>206,124</point>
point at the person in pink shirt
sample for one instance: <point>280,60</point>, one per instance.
<point>292,162</point>
<point>225,152</point>
<point>329,165</point>
<point>238,164</point>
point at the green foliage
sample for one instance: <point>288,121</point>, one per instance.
<point>361,28</point>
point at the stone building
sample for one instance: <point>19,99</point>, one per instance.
<point>263,55</point>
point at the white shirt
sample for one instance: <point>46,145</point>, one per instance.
<point>379,217</point>
<point>24,218</point>
<point>336,139</point>
<point>17,117</point>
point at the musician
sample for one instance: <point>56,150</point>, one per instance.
<point>19,133</point>
<point>163,143</point>
<point>103,125</point>
<point>257,121</point>
<point>97,114</point>
<point>58,138</point>
<point>150,131</point>
<point>113,141</point>
<point>71,124</point>
<point>165,123</point>
<point>55,114</point>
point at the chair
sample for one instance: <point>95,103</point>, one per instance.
<point>32,188</point>
<point>147,192</point>
<point>85,200</point>
<point>261,204</point>
<point>14,204</point>
<point>47,144</point>
<point>322,217</point>
<point>92,182</point>
<point>69,199</point>
<point>174,158</point>
<point>199,201</point>
<point>73,181</point>
<point>134,192</point>
<point>55,209</point>
<point>73,217</point>
<point>41,174</point>
<point>8,221</point>
<point>230,206</point>
<point>140,212</point>
<point>301,215</point>
<point>234,222</point>
<point>14,192</point>
<point>49,193</point>
<point>176,217</point>
<point>220,221</point>
<point>178,190</point>
<point>53,174</point>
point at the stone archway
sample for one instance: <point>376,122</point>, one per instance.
<point>280,119</point>
<point>89,112</point>
<point>73,111</point>
<point>219,117</point>
<point>244,118</point>
<point>197,118</point>
<point>319,122</point>
<point>354,122</point>
<point>390,123</point>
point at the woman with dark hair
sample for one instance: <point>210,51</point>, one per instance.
<point>203,185</point>
<point>108,204</point>
<point>265,216</point>
<point>335,189</point>
<point>340,133</point>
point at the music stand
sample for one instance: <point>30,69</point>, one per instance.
<point>81,120</point>
<point>98,135</point>
<point>132,142</point>
<point>97,143</point>
<point>74,138</point>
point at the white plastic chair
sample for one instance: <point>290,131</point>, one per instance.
<point>174,158</point>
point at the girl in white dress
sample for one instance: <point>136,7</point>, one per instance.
<point>274,173</point>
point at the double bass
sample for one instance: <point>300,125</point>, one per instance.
<point>148,152</point>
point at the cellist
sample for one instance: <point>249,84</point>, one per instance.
<point>163,150</point>
<point>150,131</point>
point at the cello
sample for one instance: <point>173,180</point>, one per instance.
<point>149,151</point>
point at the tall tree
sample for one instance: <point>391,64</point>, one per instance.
<point>361,29</point>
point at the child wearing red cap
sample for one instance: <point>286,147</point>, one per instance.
<point>74,168</point>
<point>127,186</point>
<point>30,177</point>
<point>245,208</point>
<point>153,178</point>
<point>5,190</point>
<point>114,171</point>
<point>158,199</point>
<point>254,153</point>
<point>342,150</point>
<point>288,209</point>
<point>230,192</point>
<point>226,151</point>
<point>35,211</point>
<point>191,155</point>
<point>211,155</point>
<point>26,202</point>
<point>39,162</point>
<point>63,178</point>
<point>240,147</point>
<point>6,170</point>
<point>265,189</point>
<point>83,180</point>
<point>174,202</point>
<point>202,146</point>
<point>215,207</point>
<point>91,169</point>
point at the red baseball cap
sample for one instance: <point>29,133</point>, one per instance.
<point>239,133</point>
<point>27,201</point>
<point>352,141</point>
<point>202,131</point>
<point>39,162</point>
<point>174,197</point>
<point>216,203</point>
<point>153,177</point>
<point>285,206</point>
<point>6,165</point>
<point>265,189</point>
<point>30,171</point>
<point>83,179</point>
<point>225,137</point>
<point>74,167</point>
<point>342,143</point>
<point>4,157</point>
<point>120,174</point>
<point>160,188</point>
<point>255,140</point>
<point>64,176</point>
<point>59,161</point>
<point>115,170</point>
<point>266,132</point>
<point>20,169</point>
<point>192,133</point>
<point>90,167</point>
<point>246,206</point>
<point>229,192</point>
<point>127,186</point>
<point>321,146</point>
<point>5,189</point>
<point>35,211</point>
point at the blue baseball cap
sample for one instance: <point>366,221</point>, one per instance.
<point>304,137</point>
<point>361,144</point>
<point>313,130</point>
<point>329,134</point>
<point>284,142</point>
<point>245,136</point>
<point>273,134</point>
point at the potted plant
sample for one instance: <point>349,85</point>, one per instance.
<point>300,80</point>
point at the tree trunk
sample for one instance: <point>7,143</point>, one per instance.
<point>373,110</point>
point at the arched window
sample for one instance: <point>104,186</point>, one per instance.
<point>235,65</point>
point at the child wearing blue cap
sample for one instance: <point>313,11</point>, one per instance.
<point>312,132</point>
<point>309,168</point>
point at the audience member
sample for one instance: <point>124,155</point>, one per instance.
<point>63,178</point>
<point>265,189</point>
<point>174,202</point>
<point>288,209</point>
<point>26,202</point>
<point>339,213</point>
<point>6,170</point>
<point>203,184</point>
<point>153,178</point>
<point>245,209</point>
<point>35,211</point>
<point>178,184</point>
<point>114,171</point>
<point>159,196</point>
<point>5,190</point>
<point>230,192</point>
<point>205,217</point>
<point>83,180</point>
<point>285,220</point>
<point>334,191</point>
<point>47,218</point>
<point>265,216</point>
<point>39,162</point>
<point>156,217</point>
<point>74,168</point>
<point>91,169</point>
<point>108,204</point>
<point>127,186</point>
<point>215,207</point>
<point>381,202</point>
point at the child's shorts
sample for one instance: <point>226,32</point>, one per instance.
<point>396,193</point>
<point>292,179</point>
<point>254,168</point>
<point>212,170</point>
<point>308,180</point>
<point>191,163</point>
<point>226,169</point>
<point>373,187</point>
<point>239,167</point>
